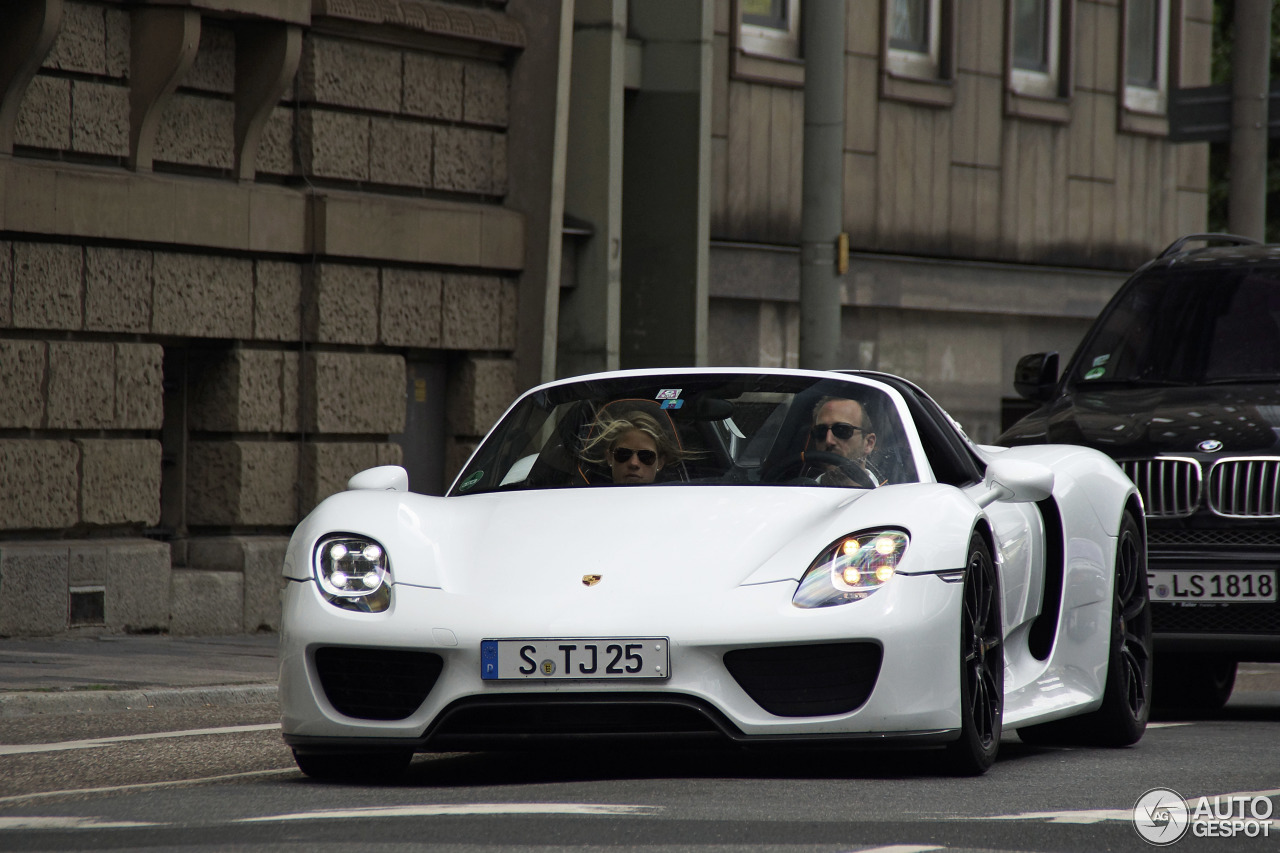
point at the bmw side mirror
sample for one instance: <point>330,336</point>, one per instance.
<point>1036,376</point>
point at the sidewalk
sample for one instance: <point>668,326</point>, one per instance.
<point>117,672</point>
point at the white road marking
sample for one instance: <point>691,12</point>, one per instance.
<point>69,823</point>
<point>1166,725</point>
<point>143,786</point>
<point>899,848</point>
<point>30,748</point>
<point>1100,815</point>
<point>462,809</point>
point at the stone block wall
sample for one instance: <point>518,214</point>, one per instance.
<point>402,117</point>
<point>194,352</point>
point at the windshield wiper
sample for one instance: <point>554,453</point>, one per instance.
<point>1123,383</point>
<point>1242,380</point>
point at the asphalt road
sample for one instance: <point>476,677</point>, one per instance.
<point>219,778</point>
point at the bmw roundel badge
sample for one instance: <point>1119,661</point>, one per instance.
<point>1210,445</point>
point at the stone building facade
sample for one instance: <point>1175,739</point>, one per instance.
<point>251,247</point>
<point>246,250</point>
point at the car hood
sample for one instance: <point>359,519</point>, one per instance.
<point>1175,419</point>
<point>650,537</point>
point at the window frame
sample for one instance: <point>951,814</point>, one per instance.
<point>1145,109</point>
<point>767,54</point>
<point>914,76</point>
<point>1043,95</point>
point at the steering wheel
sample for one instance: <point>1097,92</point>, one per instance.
<point>857,475</point>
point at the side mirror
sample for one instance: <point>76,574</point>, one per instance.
<point>1036,376</point>
<point>384,478</point>
<point>1016,481</point>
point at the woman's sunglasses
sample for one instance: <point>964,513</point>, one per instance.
<point>622,455</point>
<point>842,431</point>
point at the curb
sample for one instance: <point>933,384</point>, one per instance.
<point>24,704</point>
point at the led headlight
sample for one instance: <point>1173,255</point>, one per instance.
<point>851,568</point>
<point>353,572</point>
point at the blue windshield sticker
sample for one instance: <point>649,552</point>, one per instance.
<point>1101,360</point>
<point>470,481</point>
<point>1096,373</point>
<point>668,394</point>
<point>672,404</point>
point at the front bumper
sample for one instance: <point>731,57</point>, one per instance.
<point>1239,630</point>
<point>913,623</point>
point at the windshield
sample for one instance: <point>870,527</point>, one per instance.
<point>1187,327</point>
<point>696,429</point>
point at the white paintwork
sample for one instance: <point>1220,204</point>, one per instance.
<point>384,478</point>
<point>714,568</point>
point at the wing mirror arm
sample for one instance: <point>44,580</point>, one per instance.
<point>1016,481</point>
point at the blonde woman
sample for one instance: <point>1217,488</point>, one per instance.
<point>634,445</point>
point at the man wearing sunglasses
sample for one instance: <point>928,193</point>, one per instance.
<point>842,427</point>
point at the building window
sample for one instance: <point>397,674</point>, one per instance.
<point>767,42</point>
<point>918,46</point>
<point>1146,55</point>
<point>915,37</point>
<point>770,27</point>
<point>1035,31</point>
<point>1039,54</point>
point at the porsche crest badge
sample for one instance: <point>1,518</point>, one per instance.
<point>591,580</point>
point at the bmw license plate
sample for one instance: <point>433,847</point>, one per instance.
<point>1212,586</point>
<point>632,657</point>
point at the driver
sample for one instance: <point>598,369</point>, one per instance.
<point>841,426</point>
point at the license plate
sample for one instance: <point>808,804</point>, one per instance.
<point>1212,586</point>
<point>632,657</point>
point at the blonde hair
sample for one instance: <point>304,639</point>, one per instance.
<point>608,430</point>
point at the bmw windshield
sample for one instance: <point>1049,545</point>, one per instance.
<point>1182,327</point>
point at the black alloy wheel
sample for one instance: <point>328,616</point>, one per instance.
<point>981,666</point>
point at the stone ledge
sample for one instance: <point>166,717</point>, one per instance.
<point>433,19</point>
<point>287,11</point>
<point>87,202</point>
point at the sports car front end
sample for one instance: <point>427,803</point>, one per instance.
<point>691,623</point>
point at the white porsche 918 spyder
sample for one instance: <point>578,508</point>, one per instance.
<point>720,556</point>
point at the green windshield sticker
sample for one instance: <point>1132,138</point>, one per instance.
<point>471,481</point>
<point>1096,373</point>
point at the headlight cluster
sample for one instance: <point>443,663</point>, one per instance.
<point>353,573</point>
<point>852,568</point>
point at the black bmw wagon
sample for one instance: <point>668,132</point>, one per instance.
<point>1178,380</point>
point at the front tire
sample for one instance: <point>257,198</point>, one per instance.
<point>1126,698</point>
<point>1193,683</point>
<point>981,666</point>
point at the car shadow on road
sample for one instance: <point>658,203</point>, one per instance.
<point>577,764</point>
<point>1256,706</point>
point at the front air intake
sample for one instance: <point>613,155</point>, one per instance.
<point>376,684</point>
<point>807,681</point>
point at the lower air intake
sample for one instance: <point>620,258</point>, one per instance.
<point>807,681</point>
<point>376,684</point>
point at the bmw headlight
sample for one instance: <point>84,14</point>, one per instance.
<point>851,568</point>
<point>353,572</point>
